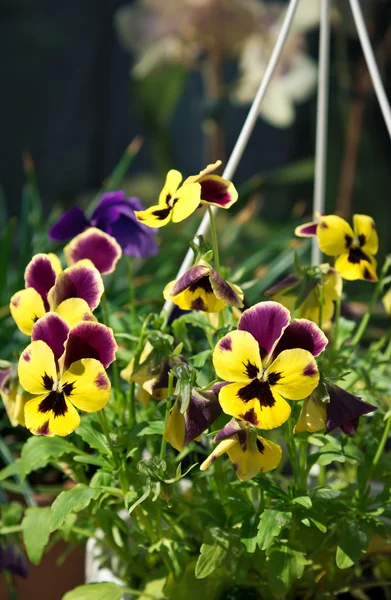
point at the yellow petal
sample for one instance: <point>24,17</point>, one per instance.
<point>188,199</point>
<point>334,235</point>
<point>172,183</point>
<point>26,308</point>
<point>37,369</point>
<point>47,422</point>
<point>352,271</point>
<point>259,456</point>
<point>208,169</point>
<point>224,446</point>
<point>365,231</point>
<point>332,284</point>
<point>199,299</point>
<point>387,301</point>
<point>293,374</point>
<point>14,402</point>
<point>175,428</point>
<point>86,385</point>
<point>254,411</point>
<point>236,357</point>
<point>74,311</point>
<point>154,216</point>
<point>312,416</point>
<point>56,262</point>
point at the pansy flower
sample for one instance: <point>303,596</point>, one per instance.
<point>151,374</point>
<point>249,453</point>
<point>177,203</point>
<point>288,291</point>
<point>355,248</point>
<point>343,410</point>
<point>13,561</point>
<point>266,361</point>
<point>201,288</point>
<point>73,293</point>
<point>98,247</point>
<point>187,424</point>
<point>114,215</point>
<point>64,369</point>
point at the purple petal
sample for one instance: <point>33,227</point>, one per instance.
<point>266,321</point>
<point>52,330</point>
<point>90,340</point>
<point>344,410</point>
<point>79,281</point>
<point>285,284</point>
<point>97,246</point>
<point>304,334</point>
<point>6,372</point>
<point>203,410</point>
<point>13,561</point>
<point>135,238</point>
<point>214,190</point>
<point>40,275</point>
<point>231,428</point>
<point>217,386</point>
<point>68,225</point>
<point>223,291</point>
<point>306,230</point>
<point>192,276</point>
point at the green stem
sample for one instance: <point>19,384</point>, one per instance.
<point>115,369</point>
<point>303,465</point>
<point>215,244</point>
<point>105,429</point>
<point>337,317</point>
<point>132,308</point>
<point>322,475</point>
<point>291,448</point>
<point>321,301</point>
<point>171,376</point>
<point>365,319</point>
<point>382,442</point>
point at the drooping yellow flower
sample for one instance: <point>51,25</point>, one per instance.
<point>176,202</point>
<point>250,453</point>
<point>202,288</point>
<point>287,291</point>
<point>355,249</point>
<point>13,396</point>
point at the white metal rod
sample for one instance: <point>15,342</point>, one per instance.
<point>321,122</point>
<point>371,62</point>
<point>245,133</point>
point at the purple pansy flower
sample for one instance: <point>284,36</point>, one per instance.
<point>114,215</point>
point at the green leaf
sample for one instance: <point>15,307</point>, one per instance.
<point>212,553</point>
<point>11,470</point>
<point>328,457</point>
<point>319,525</point>
<point>352,543</point>
<point>69,501</point>
<point>153,428</point>
<point>303,501</point>
<point>190,588</point>
<point>284,566</point>
<point>96,591</point>
<point>325,494</point>
<point>90,432</point>
<point>39,451</point>
<point>36,530</point>
<point>270,525</point>
<point>200,359</point>
<point>249,534</point>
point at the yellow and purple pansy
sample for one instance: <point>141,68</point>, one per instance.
<point>64,369</point>
<point>355,248</point>
<point>177,202</point>
<point>287,291</point>
<point>187,424</point>
<point>267,360</point>
<point>73,293</point>
<point>202,288</point>
<point>249,453</point>
<point>12,395</point>
<point>343,410</point>
<point>97,246</point>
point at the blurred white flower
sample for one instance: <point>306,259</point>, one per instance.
<point>184,31</point>
<point>295,77</point>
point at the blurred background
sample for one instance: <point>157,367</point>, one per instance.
<point>81,79</point>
